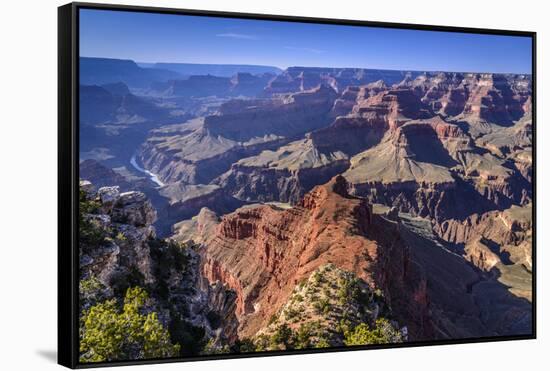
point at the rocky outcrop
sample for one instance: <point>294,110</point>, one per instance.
<point>345,102</point>
<point>199,229</point>
<point>353,94</point>
<point>118,233</point>
<point>119,249</point>
<point>394,106</point>
<point>196,157</point>
<point>294,114</point>
<point>523,161</point>
<point>508,233</point>
<point>289,172</point>
<point>249,85</point>
<point>201,155</point>
<point>395,172</point>
<point>480,255</point>
<point>372,115</point>
<point>284,175</point>
<point>493,98</point>
<point>131,208</point>
<point>433,169</point>
<point>497,98</point>
<point>263,252</point>
<point>370,118</point>
<point>497,242</point>
<point>507,141</point>
<point>503,227</point>
<point>303,78</point>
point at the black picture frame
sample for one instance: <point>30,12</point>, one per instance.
<point>68,177</point>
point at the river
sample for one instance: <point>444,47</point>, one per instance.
<point>151,175</point>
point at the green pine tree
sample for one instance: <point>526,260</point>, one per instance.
<point>109,333</point>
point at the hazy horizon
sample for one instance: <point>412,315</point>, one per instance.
<point>298,66</point>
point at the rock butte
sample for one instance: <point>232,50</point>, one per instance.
<point>263,252</point>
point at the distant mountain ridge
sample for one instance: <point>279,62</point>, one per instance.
<point>100,71</point>
<point>222,70</point>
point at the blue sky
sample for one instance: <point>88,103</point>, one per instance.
<point>149,37</point>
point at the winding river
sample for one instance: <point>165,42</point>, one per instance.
<point>151,175</point>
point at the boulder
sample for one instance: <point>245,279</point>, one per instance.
<point>87,187</point>
<point>108,196</point>
<point>133,208</point>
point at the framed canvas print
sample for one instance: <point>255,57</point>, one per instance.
<point>235,185</point>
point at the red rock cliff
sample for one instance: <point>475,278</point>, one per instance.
<point>263,252</point>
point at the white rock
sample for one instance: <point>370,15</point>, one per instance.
<point>108,195</point>
<point>87,187</point>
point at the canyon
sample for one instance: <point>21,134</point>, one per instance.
<point>286,189</point>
